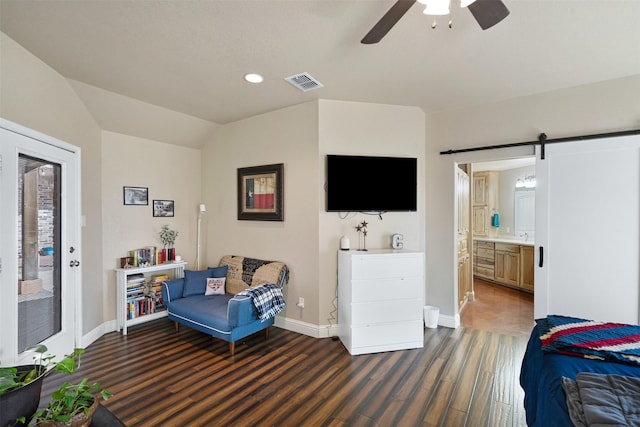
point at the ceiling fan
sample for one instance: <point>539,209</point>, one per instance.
<point>487,12</point>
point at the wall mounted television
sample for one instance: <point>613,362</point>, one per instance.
<point>371,184</point>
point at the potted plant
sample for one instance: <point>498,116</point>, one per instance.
<point>20,388</point>
<point>71,404</point>
<point>168,238</point>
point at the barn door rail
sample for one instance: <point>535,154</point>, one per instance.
<point>542,141</point>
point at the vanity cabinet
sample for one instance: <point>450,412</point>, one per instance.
<point>485,202</point>
<point>380,300</point>
<point>527,265</point>
<point>484,259</point>
<point>507,264</point>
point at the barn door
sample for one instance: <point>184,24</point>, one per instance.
<point>588,229</point>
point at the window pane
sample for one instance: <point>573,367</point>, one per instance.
<point>39,272</point>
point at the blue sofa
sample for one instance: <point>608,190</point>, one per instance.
<point>227,316</point>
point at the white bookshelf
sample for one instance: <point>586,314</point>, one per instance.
<point>175,270</point>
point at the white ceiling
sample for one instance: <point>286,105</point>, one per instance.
<point>189,56</point>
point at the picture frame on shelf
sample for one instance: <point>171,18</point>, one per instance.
<point>261,193</point>
<point>135,195</point>
<point>163,208</point>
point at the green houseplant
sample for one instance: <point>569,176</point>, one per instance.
<point>71,404</point>
<point>168,238</point>
<point>20,388</point>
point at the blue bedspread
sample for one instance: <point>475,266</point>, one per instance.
<point>545,401</point>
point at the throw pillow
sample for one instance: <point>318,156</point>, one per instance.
<point>215,286</point>
<point>218,271</point>
<point>195,282</point>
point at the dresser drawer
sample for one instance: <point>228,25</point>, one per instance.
<point>371,313</point>
<point>386,289</point>
<point>387,266</point>
<point>387,334</point>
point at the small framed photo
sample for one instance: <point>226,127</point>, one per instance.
<point>261,193</point>
<point>135,195</point>
<point>163,208</point>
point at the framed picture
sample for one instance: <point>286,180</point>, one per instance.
<point>163,208</point>
<point>135,195</point>
<point>261,193</point>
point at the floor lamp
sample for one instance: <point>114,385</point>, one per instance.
<point>201,211</point>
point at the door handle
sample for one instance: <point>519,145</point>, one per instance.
<point>541,258</point>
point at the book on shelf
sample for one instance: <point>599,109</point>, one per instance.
<point>144,257</point>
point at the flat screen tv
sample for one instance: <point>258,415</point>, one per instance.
<point>371,184</point>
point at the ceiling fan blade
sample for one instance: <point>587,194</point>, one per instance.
<point>385,23</point>
<point>488,12</point>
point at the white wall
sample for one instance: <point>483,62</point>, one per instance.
<point>34,95</point>
<point>169,172</point>
<point>603,107</point>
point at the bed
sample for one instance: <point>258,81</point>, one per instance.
<point>543,369</point>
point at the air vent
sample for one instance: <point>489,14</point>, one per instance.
<point>304,82</point>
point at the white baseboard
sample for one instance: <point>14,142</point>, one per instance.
<point>315,331</point>
<point>97,332</point>
<point>449,321</point>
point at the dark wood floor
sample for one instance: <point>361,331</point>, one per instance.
<point>462,377</point>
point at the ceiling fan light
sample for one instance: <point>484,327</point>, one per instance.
<point>465,3</point>
<point>437,7</point>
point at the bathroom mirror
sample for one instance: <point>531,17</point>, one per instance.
<point>525,213</point>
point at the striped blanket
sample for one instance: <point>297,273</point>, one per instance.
<point>267,298</point>
<point>590,339</point>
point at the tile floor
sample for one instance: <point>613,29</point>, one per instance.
<point>499,309</point>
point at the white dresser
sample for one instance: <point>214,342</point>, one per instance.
<point>380,304</point>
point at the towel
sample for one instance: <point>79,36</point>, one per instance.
<point>267,298</point>
<point>495,220</point>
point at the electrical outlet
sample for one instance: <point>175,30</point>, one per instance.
<point>300,302</point>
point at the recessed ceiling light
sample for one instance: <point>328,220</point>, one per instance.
<point>253,78</point>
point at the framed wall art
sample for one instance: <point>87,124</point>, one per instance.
<point>163,208</point>
<point>261,193</point>
<point>135,195</point>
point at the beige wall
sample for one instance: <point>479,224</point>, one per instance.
<point>34,95</point>
<point>603,107</point>
<point>307,240</point>
<point>169,172</point>
<point>365,129</point>
<point>286,136</point>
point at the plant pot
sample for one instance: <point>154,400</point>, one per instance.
<point>22,401</point>
<point>171,254</point>
<point>80,420</point>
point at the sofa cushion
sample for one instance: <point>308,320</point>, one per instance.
<point>209,311</point>
<point>215,286</point>
<point>245,272</point>
<point>195,282</point>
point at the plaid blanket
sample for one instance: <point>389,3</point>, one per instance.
<point>590,339</point>
<point>267,298</point>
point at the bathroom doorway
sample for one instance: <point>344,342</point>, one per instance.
<point>501,241</point>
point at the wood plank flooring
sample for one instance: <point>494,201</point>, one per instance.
<point>462,377</point>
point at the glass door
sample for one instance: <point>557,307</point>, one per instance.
<point>39,229</point>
